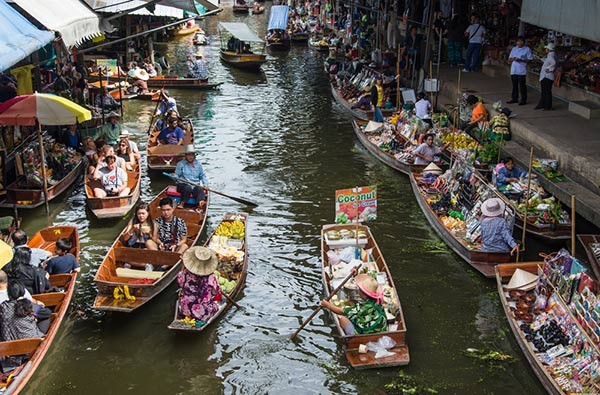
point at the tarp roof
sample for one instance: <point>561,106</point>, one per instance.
<point>578,18</point>
<point>19,37</point>
<point>241,31</point>
<point>278,18</point>
<point>116,6</point>
<point>72,19</point>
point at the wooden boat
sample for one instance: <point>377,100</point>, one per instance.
<point>278,38</point>
<point>351,343</point>
<point>243,61</point>
<point>300,37</point>
<point>588,241</point>
<point>200,39</point>
<point>184,31</point>
<point>318,44</point>
<point>163,81</point>
<point>555,234</point>
<point>241,8</point>
<point>385,157</point>
<point>483,262</point>
<point>238,57</point>
<point>258,9</point>
<point>107,277</point>
<point>165,156</point>
<point>240,278</point>
<point>36,348</point>
<point>121,94</point>
<point>113,206</point>
<point>20,197</point>
<point>503,273</point>
<point>356,112</point>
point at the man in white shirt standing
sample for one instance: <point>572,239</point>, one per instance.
<point>519,57</point>
<point>475,32</point>
<point>547,79</point>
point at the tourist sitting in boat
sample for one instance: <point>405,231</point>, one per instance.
<point>35,279</point>
<point>105,101</point>
<point>4,288</point>
<point>106,151</point>
<point>426,152</point>
<point>124,151</point>
<point>20,318</point>
<point>166,120</point>
<point>63,262</point>
<point>38,255</point>
<point>151,70</point>
<point>113,179</point>
<point>132,144</point>
<point>142,231</point>
<point>172,230</point>
<point>200,289</point>
<point>366,316</point>
<point>197,67</point>
<point>166,104</point>
<point>495,233</point>
<point>191,169</point>
<point>172,134</point>
<point>507,173</point>
<point>232,44</point>
<point>478,114</point>
<point>89,147</point>
<point>423,107</point>
<point>111,130</point>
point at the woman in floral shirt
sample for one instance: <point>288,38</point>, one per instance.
<point>200,289</point>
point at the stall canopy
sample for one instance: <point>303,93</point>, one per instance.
<point>278,18</point>
<point>19,37</point>
<point>241,31</point>
<point>117,6</point>
<point>578,18</point>
<point>71,18</point>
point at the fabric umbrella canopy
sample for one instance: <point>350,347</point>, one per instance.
<point>44,108</point>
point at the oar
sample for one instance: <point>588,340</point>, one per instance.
<point>335,291</point>
<point>230,300</point>
<point>237,199</point>
<point>155,108</point>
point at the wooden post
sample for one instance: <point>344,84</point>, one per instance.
<point>43,160</point>
<point>573,215</point>
<point>430,82</point>
<point>458,94</point>
<point>527,198</point>
<point>398,81</point>
<point>150,49</point>
<point>101,92</point>
<point>119,87</point>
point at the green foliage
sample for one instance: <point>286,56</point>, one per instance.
<point>407,385</point>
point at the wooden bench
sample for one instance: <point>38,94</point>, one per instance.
<point>19,347</point>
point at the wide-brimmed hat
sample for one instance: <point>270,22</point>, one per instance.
<point>493,207</point>
<point>549,46</point>
<point>373,126</point>
<point>198,54</point>
<point>124,133</point>
<point>200,260</point>
<point>113,114</point>
<point>189,149</point>
<point>369,286</point>
<point>141,74</point>
<point>522,280</point>
<point>432,168</point>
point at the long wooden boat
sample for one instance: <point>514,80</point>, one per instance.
<point>351,343</point>
<point>249,61</point>
<point>163,81</point>
<point>19,197</point>
<point>588,242</point>
<point>241,9</point>
<point>165,156</point>
<point>483,262</point>
<point>503,273</point>
<point>36,348</point>
<point>317,44</point>
<point>113,206</point>
<point>107,277</point>
<point>300,38</point>
<point>356,112</point>
<point>239,277</point>
<point>556,234</point>
<point>385,157</point>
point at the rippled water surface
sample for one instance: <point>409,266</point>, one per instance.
<point>278,138</point>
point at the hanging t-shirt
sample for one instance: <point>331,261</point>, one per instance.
<point>24,81</point>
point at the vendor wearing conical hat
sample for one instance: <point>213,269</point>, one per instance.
<point>424,153</point>
<point>199,285</point>
<point>367,315</point>
<point>495,233</point>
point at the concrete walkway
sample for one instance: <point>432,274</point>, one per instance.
<point>557,134</point>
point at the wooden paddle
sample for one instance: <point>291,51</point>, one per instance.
<point>230,300</point>
<point>335,291</point>
<point>155,108</point>
<point>237,199</point>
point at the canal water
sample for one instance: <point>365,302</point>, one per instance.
<point>279,139</point>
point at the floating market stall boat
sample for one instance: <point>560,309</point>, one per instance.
<point>240,46</point>
<point>229,243</point>
<point>554,320</point>
<point>591,245</point>
<point>36,348</point>
<point>300,37</point>
<point>126,289</point>
<point>341,97</point>
<point>166,81</point>
<point>113,206</point>
<point>333,240</point>
<point>188,29</point>
<point>165,156</point>
<point>277,36</point>
<point>319,44</point>
<point>241,7</point>
<point>458,223</point>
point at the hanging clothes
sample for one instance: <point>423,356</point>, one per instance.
<point>24,81</point>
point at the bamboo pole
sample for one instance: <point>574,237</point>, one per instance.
<point>43,160</point>
<point>527,198</point>
<point>398,81</point>
<point>573,215</point>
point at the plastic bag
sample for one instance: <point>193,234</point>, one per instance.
<point>347,254</point>
<point>381,347</point>
<point>333,258</point>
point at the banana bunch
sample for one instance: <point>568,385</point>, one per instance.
<point>234,230</point>
<point>188,321</point>
<point>460,141</point>
<point>122,293</point>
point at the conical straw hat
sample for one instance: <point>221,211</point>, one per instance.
<point>522,280</point>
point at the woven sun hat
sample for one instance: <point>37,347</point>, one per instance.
<point>142,74</point>
<point>549,46</point>
<point>198,54</point>
<point>189,149</point>
<point>522,280</point>
<point>373,126</point>
<point>124,133</point>
<point>432,168</point>
<point>493,207</point>
<point>113,114</point>
<point>369,286</point>
<point>199,260</point>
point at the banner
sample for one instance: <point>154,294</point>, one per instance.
<point>111,64</point>
<point>345,207</point>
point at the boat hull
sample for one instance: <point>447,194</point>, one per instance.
<point>357,113</point>
<point>243,61</point>
<point>586,241</point>
<point>161,157</point>
<point>113,206</point>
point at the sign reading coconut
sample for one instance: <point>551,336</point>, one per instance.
<point>345,204</point>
